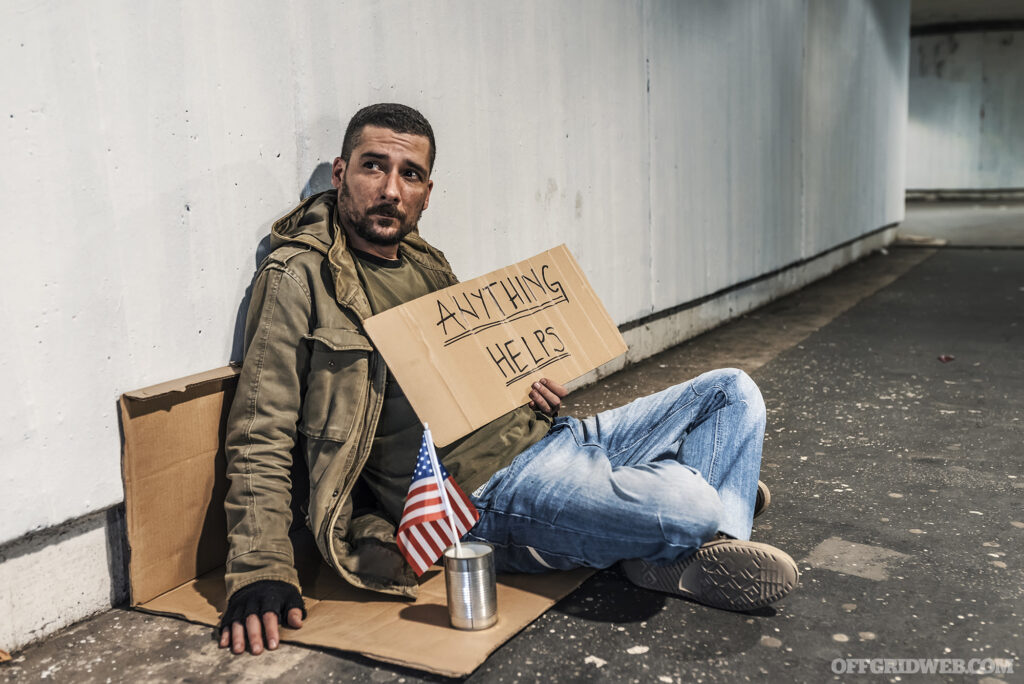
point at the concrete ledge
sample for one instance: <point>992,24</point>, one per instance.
<point>990,195</point>
<point>56,577</point>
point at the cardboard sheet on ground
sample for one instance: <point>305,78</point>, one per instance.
<point>173,468</point>
<point>469,353</point>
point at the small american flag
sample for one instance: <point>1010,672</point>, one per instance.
<point>424,533</point>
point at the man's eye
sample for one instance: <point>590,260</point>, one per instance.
<point>371,164</point>
<point>415,175</point>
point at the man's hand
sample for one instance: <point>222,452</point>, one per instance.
<point>546,396</point>
<point>257,609</point>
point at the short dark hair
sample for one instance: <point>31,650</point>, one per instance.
<point>396,117</point>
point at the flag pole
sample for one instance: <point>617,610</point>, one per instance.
<point>444,492</point>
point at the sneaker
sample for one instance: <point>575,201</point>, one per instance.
<point>764,498</point>
<point>728,573</point>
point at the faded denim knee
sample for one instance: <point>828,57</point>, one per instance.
<point>693,515</point>
<point>739,387</point>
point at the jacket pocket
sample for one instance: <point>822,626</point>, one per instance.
<point>337,384</point>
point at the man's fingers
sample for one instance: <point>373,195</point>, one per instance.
<point>547,396</point>
<point>237,638</point>
<point>555,388</point>
<point>550,397</point>
<point>255,632</point>
<point>539,401</point>
<point>270,629</point>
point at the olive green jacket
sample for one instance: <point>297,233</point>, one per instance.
<point>311,384</point>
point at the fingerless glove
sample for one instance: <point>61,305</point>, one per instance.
<point>265,596</point>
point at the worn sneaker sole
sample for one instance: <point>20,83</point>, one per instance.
<point>728,574</point>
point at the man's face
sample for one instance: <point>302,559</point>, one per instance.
<point>384,186</point>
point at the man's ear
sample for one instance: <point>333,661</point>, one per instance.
<point>337,172</point>
<point>426,200</point>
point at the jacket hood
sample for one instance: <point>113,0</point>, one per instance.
<point>310,223</point>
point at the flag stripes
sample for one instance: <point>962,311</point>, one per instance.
<point>424,532</point>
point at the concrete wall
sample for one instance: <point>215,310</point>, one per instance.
<point>680,149</point>
<point>966,111</point>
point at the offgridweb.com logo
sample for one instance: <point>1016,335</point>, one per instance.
<point>972,666</point>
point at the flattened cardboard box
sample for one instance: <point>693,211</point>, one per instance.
<point>174,477</point>
<point>469,353</point>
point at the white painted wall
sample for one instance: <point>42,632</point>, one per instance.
<point>777,133</point>
<point>678,148</point>
<point>966,111</point>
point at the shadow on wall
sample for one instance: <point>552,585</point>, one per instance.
<point>319,180</point>
<point>117,550</point>
<point>891,24</point>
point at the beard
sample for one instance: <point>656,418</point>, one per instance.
<point>364,226</point>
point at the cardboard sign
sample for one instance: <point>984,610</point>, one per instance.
<point>469,353</point>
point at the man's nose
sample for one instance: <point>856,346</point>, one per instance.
<point>390,190</point>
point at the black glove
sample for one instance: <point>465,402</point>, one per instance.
<point>265,596</point>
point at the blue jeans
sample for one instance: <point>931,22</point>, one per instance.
<point>654,479</point>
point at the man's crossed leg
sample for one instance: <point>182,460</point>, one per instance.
<point>667,483</point>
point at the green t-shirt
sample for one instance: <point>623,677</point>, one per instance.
<point>472,459</point>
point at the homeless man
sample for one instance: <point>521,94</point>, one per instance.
<point>667,485</point>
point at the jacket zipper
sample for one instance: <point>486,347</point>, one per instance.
<point>363,452</point>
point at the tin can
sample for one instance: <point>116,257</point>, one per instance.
<point>471,586</point>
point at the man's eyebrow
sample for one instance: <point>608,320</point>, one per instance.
<point>373,155</point>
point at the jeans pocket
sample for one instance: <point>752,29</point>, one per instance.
<point>573,425</point>
<point>539,558</point>
<point>482,494</point>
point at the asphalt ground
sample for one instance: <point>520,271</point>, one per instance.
<point>895,394</point>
